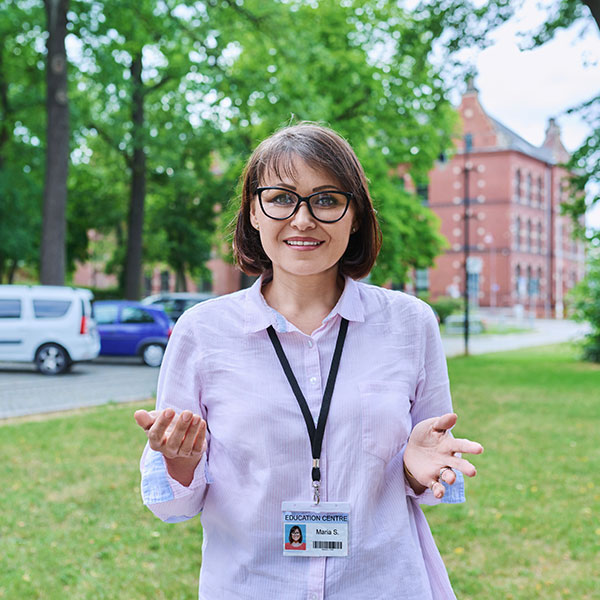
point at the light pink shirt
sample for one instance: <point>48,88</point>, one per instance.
<point>220,362</point>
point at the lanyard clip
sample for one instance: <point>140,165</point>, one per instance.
<point>316,491</point>
<point>316,477</point>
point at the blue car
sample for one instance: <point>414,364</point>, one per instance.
<point>130,329</point>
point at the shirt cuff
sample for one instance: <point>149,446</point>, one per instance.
<point>158,486</point>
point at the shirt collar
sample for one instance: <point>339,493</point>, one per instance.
<point>259,315</point>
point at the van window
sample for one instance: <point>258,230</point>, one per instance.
<point>50,309</point>
<point>105,315</point>
<point>10,309</point>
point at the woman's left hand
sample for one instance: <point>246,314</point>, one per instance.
<point>431,448</point>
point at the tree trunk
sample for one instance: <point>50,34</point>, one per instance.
<point>180,280</point>
<point>133,260</point>
<point>12,271</point>
<point>52,252</point>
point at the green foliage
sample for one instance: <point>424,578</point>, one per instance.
<point>218,77</point>
<point>585,168</point>
<point>363,69</point>
<point>584,164</point>
<point>446,306</point>
<point>21,134</point>
<point>585,298</point>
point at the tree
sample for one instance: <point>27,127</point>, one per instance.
<point>585,161</point>
<point>21,135</point>
<point>52,251</point>
<point>362,67</point>
<point>147,64</point>
<point>586,306</point>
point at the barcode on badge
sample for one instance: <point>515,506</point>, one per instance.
<point>328,545</point>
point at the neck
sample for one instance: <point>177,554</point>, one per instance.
<point>304,300</point>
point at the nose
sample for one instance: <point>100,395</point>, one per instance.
<point>302,219</point>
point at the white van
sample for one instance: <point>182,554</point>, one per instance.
<point>49,325</point>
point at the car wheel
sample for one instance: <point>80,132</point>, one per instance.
<point>153,354</point>
<point>52,360</point>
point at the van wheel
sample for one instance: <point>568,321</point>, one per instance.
<point>52,360</point>
<point>153,354</point>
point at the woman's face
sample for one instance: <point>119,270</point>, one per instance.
<point>301,245</point>
<point>296,534</point>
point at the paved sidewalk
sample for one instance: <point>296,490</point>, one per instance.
<point>544,332</point>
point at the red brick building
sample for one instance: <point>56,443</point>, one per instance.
<point>521,247</point>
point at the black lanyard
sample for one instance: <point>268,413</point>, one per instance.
<point>315,435</point>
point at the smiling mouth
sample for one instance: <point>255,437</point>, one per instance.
<point>302,243</point>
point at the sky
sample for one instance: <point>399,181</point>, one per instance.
<point>523,90</point>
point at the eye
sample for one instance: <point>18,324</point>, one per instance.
<point>279,198</point>
<point>327,200</point>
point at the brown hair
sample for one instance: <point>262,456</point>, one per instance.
<point>322,149</point>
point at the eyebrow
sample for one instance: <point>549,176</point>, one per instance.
<point>316,189</point>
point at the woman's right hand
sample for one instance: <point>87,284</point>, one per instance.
<point>181,440</point>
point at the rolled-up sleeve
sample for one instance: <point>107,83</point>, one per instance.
<point>179,388</point>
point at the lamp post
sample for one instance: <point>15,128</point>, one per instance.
<point>468,139</point>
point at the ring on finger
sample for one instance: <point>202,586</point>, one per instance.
<point>432,484</point>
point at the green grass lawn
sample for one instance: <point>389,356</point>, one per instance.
<point>72,525</point>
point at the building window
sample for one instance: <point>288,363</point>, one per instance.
<point>528,235</point>
<point>518,280</point>
<point>421,280</point>
<point>528,197</point>
<point>539,237</point>
<point>518,185</point>
<point>533,286</point>
<point>164,281</point>
<point>518,233</point>
<point>540,192</point>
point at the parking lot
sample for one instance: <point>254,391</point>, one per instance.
<point>24,391</point>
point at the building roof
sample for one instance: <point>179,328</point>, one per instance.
<point>509,140</point>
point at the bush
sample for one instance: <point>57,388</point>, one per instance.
<point>446,306</point>
<point>586,307</point>
<point>113,293</point>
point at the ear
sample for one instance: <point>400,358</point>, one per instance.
<point>253,219</point>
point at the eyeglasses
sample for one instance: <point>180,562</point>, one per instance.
<point>327,206</point>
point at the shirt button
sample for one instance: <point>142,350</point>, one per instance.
<point>313,380</point>
<point>312,597</point>
<point>310,343</point>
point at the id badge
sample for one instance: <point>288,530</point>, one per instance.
<point>315,529</point>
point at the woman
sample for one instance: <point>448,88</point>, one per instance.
<point>246,377</point>
<point>295,539</point>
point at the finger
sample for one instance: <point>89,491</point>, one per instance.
<point>467,446</point>
<point>448,475</point>
<point>177,435</point>
<point>462,465</point>
<point>144,419</point>
<point>200,441</point>
<point>156,433</point>
<point>438,489</point>
<point>445,422</point>
<point>188,444</point>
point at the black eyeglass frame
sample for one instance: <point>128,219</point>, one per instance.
<point>301,199</point>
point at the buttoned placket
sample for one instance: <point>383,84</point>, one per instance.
<point>314,396</point>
